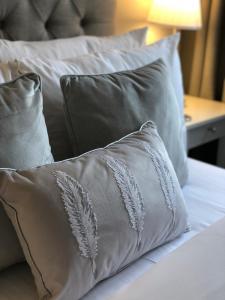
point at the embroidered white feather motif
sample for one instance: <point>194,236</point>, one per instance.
<point>165,178</point>
<point>130,193</point>
<point>83,221</point>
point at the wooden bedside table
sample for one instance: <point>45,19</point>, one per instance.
<point>207,122</point>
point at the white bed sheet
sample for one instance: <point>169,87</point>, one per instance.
<point>205,198</point>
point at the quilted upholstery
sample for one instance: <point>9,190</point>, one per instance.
<point>35,20</point>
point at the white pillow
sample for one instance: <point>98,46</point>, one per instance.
<point>71,47</point>
<point>104,62</point>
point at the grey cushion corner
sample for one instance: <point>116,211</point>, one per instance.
<point>24,136</point>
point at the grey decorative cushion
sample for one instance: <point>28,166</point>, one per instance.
<point>23,133</point>
<point>102,108</point>
<point>84,219</point>
<point>24,144</point>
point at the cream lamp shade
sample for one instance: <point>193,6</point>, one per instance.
<point>179,14</point>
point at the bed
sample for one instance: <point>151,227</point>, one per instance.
<point>204,193</point>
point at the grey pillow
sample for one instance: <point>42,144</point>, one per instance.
<point>24,144</point>
<point>84,219</point>
<point>102,108</point>
<point>23,133</point>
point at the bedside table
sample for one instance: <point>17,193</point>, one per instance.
<point>207,122</point>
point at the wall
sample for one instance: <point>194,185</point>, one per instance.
<point>224,90</point>
<point>132,14</point>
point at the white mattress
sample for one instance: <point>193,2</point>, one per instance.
<point>205,198</point>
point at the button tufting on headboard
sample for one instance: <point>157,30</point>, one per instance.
<point>34,20</point>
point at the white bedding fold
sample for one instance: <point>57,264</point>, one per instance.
<point>194,271</point>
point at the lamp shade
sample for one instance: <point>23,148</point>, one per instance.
<point>181,14</point>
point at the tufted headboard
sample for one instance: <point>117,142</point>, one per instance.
<point>36,20</point>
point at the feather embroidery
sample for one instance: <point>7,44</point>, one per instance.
<point>83,221</point>
<point>165,178</point>
<point>130,194</point>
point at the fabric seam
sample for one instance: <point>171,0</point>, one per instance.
<point>72,132</point>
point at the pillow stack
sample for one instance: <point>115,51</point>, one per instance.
<point>96,237</point>
<point>101,63</point>
<point>119,109</point>
<point>23,134</point>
